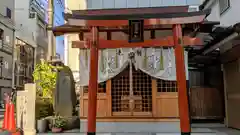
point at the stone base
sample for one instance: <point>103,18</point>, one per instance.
<point>29,132</point>
<point>133,127</point>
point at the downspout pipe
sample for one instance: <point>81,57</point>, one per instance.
<point>13,59</point>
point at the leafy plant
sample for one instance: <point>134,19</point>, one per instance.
<point>45,77</point>
<point>43,113</point>
<point>59,122</point>
<point>43,108</point>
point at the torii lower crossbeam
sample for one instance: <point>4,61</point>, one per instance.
<point>164,42</point>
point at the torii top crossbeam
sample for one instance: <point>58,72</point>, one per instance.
<point>134,22</point>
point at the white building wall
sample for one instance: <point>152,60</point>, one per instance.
<point>9,4</point>
<point>215,12</point>
<point>71,58</point>
<point>28,28</point>
<point>7,25</point>
<point>226,19</point>
<point>229,17</point>
<point>23,22</point>
<point>22,16</point>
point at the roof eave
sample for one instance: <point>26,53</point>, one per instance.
<point>134,16</point>
<point>222,35</point>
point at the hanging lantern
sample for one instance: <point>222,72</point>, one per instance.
<point>136,31</point>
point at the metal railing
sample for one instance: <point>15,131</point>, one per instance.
<point>5,47</point>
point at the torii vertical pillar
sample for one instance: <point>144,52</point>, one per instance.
<point>181,81</point>
<point>93,82</point>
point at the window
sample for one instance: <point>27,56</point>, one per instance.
<point>101,88</point>
<point>32,15</point>
<point>193,8</point>
<point>9,13</point>
<point>1,34</point>
<point>224,5</point>
<point>166,86</point>
<point>1,66</point>
<point>24,64</point>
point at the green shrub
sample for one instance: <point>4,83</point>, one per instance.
<point>44,76</point>
<point>44,108</point>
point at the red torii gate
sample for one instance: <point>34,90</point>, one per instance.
<point>134,22</point>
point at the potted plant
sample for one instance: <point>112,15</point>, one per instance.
<point>58,124</point>
<point>42,125</point>
<point>41,113</point>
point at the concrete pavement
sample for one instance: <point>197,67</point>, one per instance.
<point>197,129</point>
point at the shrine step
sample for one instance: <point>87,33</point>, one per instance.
<point>133,127</point>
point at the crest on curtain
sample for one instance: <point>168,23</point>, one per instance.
<point>153,60</point>
<point>110,59</point>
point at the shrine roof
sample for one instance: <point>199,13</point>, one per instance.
<point>155,18</point>
<point>83,15</point>
<point>131,11</point>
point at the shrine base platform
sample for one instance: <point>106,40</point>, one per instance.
<point>158,128</point>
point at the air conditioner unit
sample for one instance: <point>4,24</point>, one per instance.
<point>193,8</point>
<point>32,14</point>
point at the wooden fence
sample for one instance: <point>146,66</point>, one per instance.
<point>206,103</point>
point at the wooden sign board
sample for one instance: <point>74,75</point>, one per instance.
<point>136,31</point>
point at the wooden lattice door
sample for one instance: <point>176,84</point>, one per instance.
<point>132,93</point>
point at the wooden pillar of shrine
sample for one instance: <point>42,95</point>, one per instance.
<point>181,81</point>
<point>93,82</point>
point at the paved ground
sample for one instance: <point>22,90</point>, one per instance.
<point>197,129</point>
<point>133,134</point>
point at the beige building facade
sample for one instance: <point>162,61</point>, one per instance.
<point>72,54</point>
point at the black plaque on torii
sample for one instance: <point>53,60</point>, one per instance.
<point>136,31</point>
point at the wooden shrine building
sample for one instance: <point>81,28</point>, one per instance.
<point>133,93</point>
